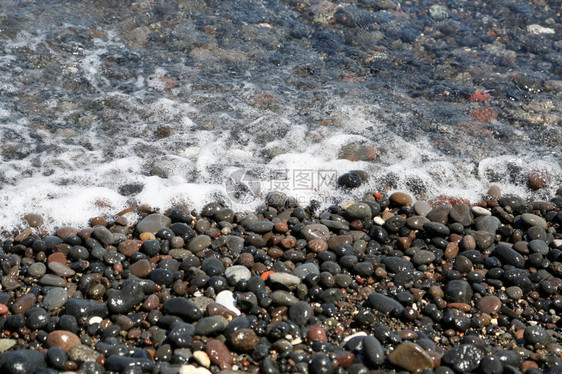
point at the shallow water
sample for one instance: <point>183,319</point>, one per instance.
<point>169,103</point>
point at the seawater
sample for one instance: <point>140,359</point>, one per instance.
<point>104,106</point>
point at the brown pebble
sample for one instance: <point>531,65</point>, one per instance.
<point>214,309</point>
<point>489,304</point>
<point>244,340</point>
<point>436,291</point>
<point>23,303</point>
<point>537,179</point>
<point>317,333</point>
<point>336,241</point>
<point>98,221</point>
<point>408,335</point>
<point>451,250</point>
<point>401,198</point>
<point>246,259</point>
<point>288,242</point>
<point>62,339</point>
<point>65,231</point>
<point>345,359</point>
<point>219,354</point>
<point>460,306</point>
<point>281,226</point>
<point>23,235</point>
<point>468,243</point>
<point>151,302</point>
<point>494,191</point>
<point>57,257</point>
<point>141,268</point>
<point>318,245</point>
<point>128,247</point>
<point>275,253</point>
<point>33,220</point>
<point>411,357</point>
<point>146,236</point>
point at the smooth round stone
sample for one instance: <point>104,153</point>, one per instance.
<point>126,299</point>
<point>52,280</point>
<point>287,280</point>
<point>539,246</point>
<point>153,222</point>
<point>416,222</point>
<point>82,353</point>
<point>63,232</point>
<point>489,304</point>
<point>423,257</point>
<point>237,273</point>
<point>283,298</point>
<point>219,354</point>
<point>439,214</point>
<point>373,350</point>
<point>489,224</point>
<point>479,211</point>
<point>463,358</point>
<point>510,256</point>
<point>210,325</point>
<point>320,364</point>
<point>534,220</point>
<point>37,269</point>
<point>24,361</point>
<point>226,299</point>
<point>483,239</point>
<point>335,225</point>
<point>243,340</point>
<point>461,213</point>
<point>397,264</point>
<point>491,364</point>
<point>261,227</point>
<point>401,198</point>
<point>436,228</point>
<point>411,357</point>
<point>23,303</point>
<point>422,208</point>
<point>300,312</point>
<point>141,268</point>
<point>57,357</point>
<point>536,335</point>
<point>202,302</point>
<point>55,298</point>
<point>80,308</point>
<point>360,211</point>
<point>316,231</point>
<point>514,292</point>
<point>33,220</point>
<point>350,180</point>
<point>37,318</point>
<point>62,339</point>
<point>458,291</point>
<point>181,307</point>
<point>199,243</point>
<point>60,269</point>
<point>385,304</point>
<point>103,235</point>
<point>303,270</point>
<point>394,223</point>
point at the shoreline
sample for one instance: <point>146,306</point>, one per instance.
<point>378,284</point>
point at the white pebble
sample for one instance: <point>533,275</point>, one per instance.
<point>479,211</point>
<point>226,299</point>
<point>202,358</point>
<point>348,338</point>
<point>538,29</point>
<point>192,369</point>
<point>95,319</point>
<point>378,220</point>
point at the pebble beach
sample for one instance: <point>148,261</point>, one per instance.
<point>378,285</point>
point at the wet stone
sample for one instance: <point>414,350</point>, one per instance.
<point>436,228</point>
<point>210,325</point>
<point>385,304</point>
<point>411,357</point>
<point>536,335</point>
<point>373,350</point>
<point>219,354</point>
<point>288,280</point>
<point>62,339</point>
<point>482,239</point>
<point>37,269</point>
<point>153,222</point>
<point>416,222</point>
<point>119,363</point>
<point>24,361</point>
<point>316,231</point>
<point>199,243</point>
<point>52,280</point>
<point>509,256</point>
<point>489,304</point>
<point>489,224</point>
<point>359,211</point>
<point>320,364</point>
<point>303,270</point>
<point>463,358</point>
<point>243,340</point>
<point>401,198</point>
<point>423,257</point>
<point>124,300</point>
<point>237,273</point>
<point>181,307</point>
<point>461,213</point>
<point>397,264</point>
<point>85,308</point>
<point>300,312</point>
<point>534,220</point>
<point>60,269</point>
<point>56,297</point>
<point>261,227</point>
<point>141,268</point>
<point>283,298</point>
<point>458,291</point>
<point>103,235</point>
